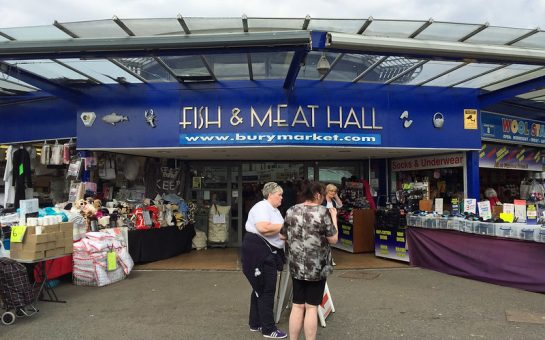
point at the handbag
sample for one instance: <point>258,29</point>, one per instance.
<point>107,169</point>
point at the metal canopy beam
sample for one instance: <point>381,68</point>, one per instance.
<point>122,25</point>
<point>166,67</point>
<point>208,68</point>
<point>39,82</point>
<point>248,55</point>
<point>201,43</point>
<point>434,49</point>
<point>497,96</point>
<point>478,75</point>
<point>369,69</point>
<point>96,81</point>
<point>410,69</point>
<point>437,76</point>
<point>294,69</point>
<point>126,69</point>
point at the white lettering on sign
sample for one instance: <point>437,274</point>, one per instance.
<point>280,115</point>
<point>431,162</point>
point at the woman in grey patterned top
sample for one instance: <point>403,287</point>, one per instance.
<point>309,228</point>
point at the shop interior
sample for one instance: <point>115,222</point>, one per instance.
<point>414,186</point>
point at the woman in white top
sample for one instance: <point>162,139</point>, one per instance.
<point>262,258</point>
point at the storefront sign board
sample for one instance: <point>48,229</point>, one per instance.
<point>428,162</point>
<point>506,156</point>
<point>512,129</point>
<point>358,115</point>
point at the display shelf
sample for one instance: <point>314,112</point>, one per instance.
<point>343,247</point>
<point>358,236</point>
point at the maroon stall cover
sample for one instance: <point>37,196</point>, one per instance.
<point>507,262</point>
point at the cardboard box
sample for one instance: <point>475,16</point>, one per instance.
<point>425,205</point>
<point>33,247</point>
<point>496,210</point>
<point>54,252</point>
<point>68,246</point>
<point>36,239</point>
<point>50,243</point>
<point>27,255</point>
<point>67,227</point>
<point>45,229</point>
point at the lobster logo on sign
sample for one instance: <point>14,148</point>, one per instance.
<point>150,117</point>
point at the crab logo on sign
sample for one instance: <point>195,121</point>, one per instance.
<point>88,118</point>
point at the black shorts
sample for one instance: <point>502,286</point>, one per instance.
<point>309,292</point>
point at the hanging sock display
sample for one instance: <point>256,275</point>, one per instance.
<point>46,154</point>
<point>56,154</point>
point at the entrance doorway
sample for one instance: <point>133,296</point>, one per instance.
<point>238,186</point>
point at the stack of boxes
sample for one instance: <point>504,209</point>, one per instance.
<point>43,242</point>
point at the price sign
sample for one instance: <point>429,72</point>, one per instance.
<point>17,233</point>
<point>112,260</point>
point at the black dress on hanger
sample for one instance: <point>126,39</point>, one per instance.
<point>21,174</point>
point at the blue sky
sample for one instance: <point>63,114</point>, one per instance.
<point>510,13</point>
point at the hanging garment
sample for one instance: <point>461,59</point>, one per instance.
<point>56,154</point>
<point>68,151</point>
<point>9,189</point>
<point>46,154</point>
<point>21,174</point>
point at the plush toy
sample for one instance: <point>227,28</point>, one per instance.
<point>492,196</point>
<point>80,204</point>
<point>97,204</point>
<point>179,219</point>
<point>154,215</point>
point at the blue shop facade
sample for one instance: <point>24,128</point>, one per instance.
<point>366,117</point>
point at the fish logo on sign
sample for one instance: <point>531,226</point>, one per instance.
<point>114,118</point>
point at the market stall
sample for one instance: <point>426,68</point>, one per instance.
<point>509,254</point>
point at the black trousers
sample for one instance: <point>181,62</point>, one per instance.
<point>262,305</point>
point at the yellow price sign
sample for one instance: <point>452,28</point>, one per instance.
<point>17,233</point>
<point>507,217</point>
<point>112,260</point>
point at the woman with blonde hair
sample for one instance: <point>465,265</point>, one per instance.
<point>332,199</point>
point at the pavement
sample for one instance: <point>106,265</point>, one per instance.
<point>410,303</point>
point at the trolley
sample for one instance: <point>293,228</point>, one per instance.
<point>16,292</point>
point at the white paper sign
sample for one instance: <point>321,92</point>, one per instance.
<point>509,208</point>
<point>520,210</point>
<point>218,219</point>
<point>206,195</point>
<point>485,210</point>
<point>470,205</point>
<point>439,205</point>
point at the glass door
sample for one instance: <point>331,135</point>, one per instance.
<point>217,184</point>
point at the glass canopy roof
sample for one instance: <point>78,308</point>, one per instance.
<point>349,66</point>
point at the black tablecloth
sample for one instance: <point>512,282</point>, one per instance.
<point>161,243</point>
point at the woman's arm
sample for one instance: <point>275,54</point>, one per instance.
<point>334,238</point>
<point>338,201</point>
<point>267,228</point>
